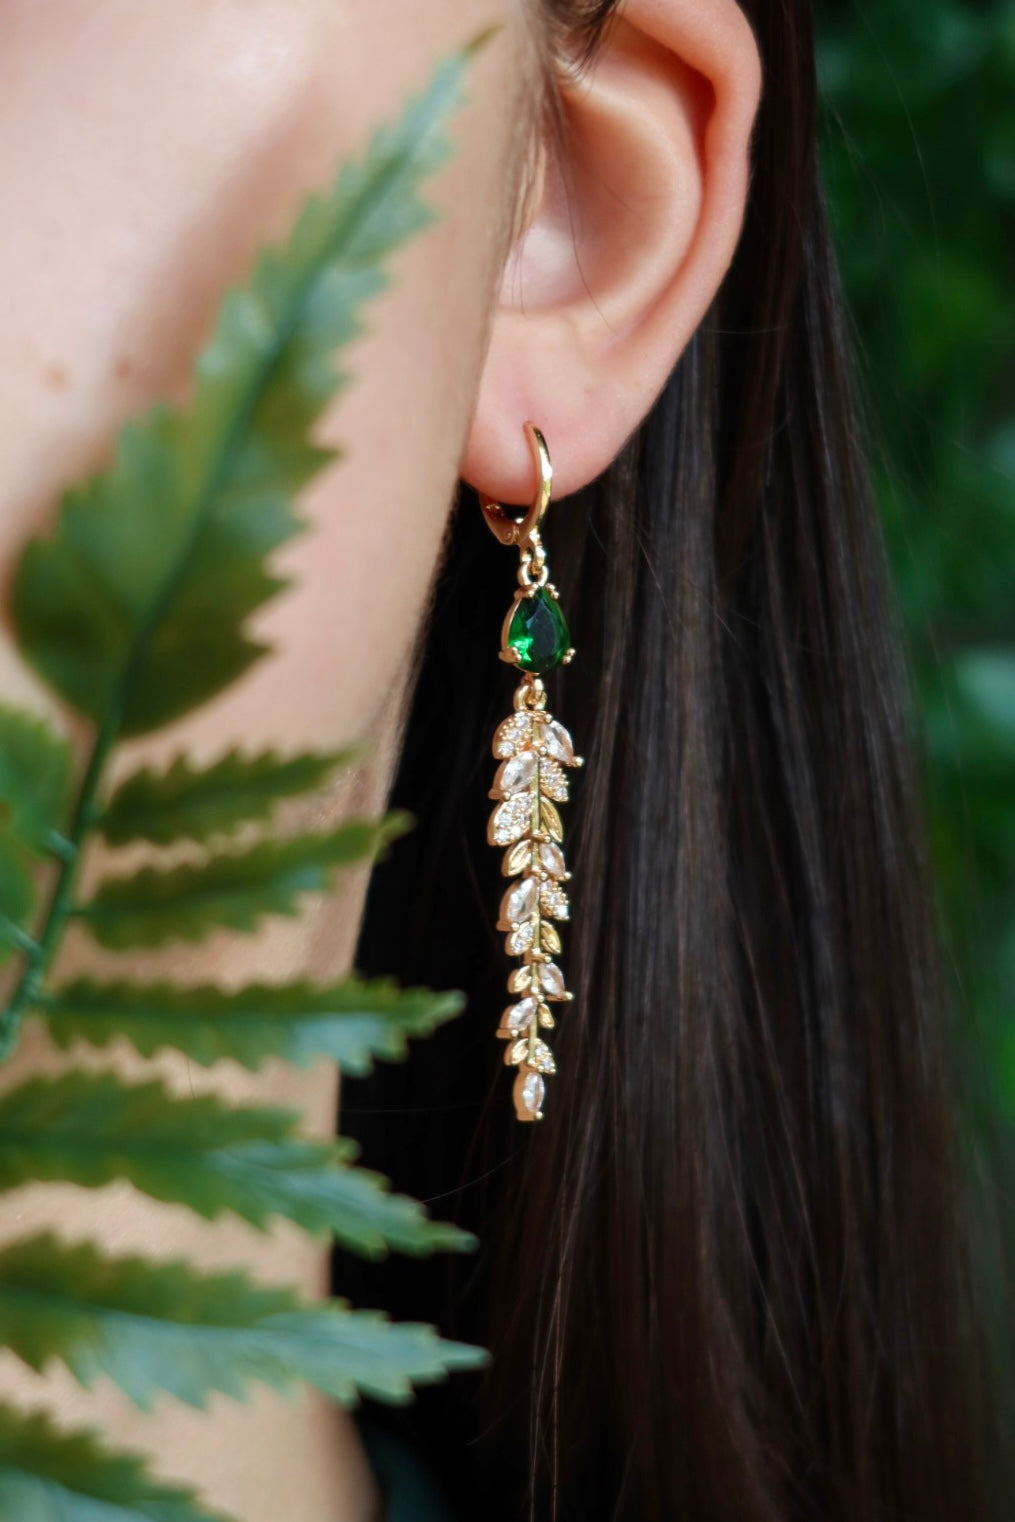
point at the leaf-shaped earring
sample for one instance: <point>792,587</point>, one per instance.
<point>534,752</point>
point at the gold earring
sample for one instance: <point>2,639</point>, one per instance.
<point>534,751</point>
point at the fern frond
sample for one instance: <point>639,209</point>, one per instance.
<point>233,889</point>
<point>91,1129</point>
<point>371,1221</point>
<point>35,774</point>
<point>135,611</point>
<point>351,1022</point>
<point>34,788</point>
<point>48,1475</point>
<point>187,802</point>
<point>168,1329</point>
<point>17,894</point>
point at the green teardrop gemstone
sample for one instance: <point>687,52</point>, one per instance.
<point>538,633</point>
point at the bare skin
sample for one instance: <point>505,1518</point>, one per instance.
<point>146,153</point>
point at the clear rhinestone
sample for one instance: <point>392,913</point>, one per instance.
<point>533,1093</point>
<point>520,940</point>
<point>552,781</point>
<point>552,980</point>
<point>558,742</point>
<point>519,1016</point>
<point>542,1058</point>
<point>511,820</point>
<point>513,735</point>
<point>551,859</point>
<point>517,773</point>
<point>520,904</point>
<point>553,901</point>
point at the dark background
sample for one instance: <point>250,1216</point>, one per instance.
<point>918,140</point>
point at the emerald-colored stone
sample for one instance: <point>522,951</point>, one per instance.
<point>538,633</point>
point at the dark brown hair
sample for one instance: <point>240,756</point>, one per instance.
<point>723,1281</point>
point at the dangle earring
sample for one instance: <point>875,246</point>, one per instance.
<point>534,752</point>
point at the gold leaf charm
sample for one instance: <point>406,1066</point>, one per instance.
<point>549,940</point>
<point>542,1058</point>
<point>553,781</point>
<point>518,859</point>
<point>534,752</point>
<point>512,820</point>
<point>550,819</point>
<point>553,901</point>
<point>513,735</point>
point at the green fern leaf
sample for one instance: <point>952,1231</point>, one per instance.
<point>17,892</point>
<point>186,802</point>
<point>48,1475</point>
<point>155,1328</point>
<point>34,787</point>
<point>371,1221</point>
<point>350,1022</point>
<point>234,890</point>
<point>91,1129</point>
<point>134,610</point>
<point>34,779</point>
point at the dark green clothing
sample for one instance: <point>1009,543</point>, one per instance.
<point>410,1495</point>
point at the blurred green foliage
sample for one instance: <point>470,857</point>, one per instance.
<point>918,140</point>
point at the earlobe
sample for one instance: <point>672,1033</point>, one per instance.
<point>639,211</point>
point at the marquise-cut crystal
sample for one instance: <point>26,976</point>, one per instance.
<point>521,902</point>
<point>511,819</point>
<point>518,772</point>
<point>533,1093</point>
<point>558,742</point>
<point>551,858</point>
<point>519,1016</point>
<point>551,980</point>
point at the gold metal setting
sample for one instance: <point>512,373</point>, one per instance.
<point>535,753</point>
<point>519,530</point>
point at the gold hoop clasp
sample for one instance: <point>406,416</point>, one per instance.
<point>519,530</point>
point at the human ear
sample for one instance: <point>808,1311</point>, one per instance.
<point>637,214</point>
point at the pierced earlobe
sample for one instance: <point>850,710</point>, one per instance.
<point>639,217</point>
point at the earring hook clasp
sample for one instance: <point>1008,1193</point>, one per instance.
<point>519,530</point>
